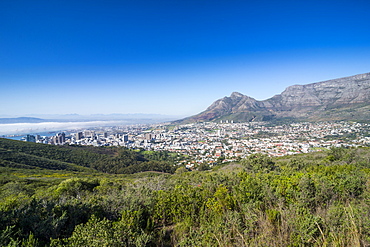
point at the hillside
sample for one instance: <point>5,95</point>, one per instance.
<point>316,199</point>
<point>345,98</point>
<point>29,155</point>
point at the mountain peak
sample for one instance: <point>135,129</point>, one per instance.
<point>236,95</point>
<point>346,98</point>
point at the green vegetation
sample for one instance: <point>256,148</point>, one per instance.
<point>318,199</point>
<point>28,155</point>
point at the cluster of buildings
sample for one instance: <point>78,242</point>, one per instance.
<point>211,142</point>
<point>58,139</point>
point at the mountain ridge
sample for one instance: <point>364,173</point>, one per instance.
<point>346,98</point>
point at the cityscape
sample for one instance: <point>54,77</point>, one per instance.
<point>184,123</point>
<point>212,143</point>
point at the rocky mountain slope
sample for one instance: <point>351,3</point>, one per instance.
<point>345,98</point>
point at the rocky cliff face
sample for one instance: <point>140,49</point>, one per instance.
<point>348,90</point>
<point>346,98</point>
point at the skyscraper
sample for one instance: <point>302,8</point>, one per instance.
<point>30,138</point>
<point>60,138</point>
<point>79,136</point>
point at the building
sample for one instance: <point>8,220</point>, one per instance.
<point>31,138</point>
<point>60,138</point>
<point>125,138</point>
<point>79,136</point>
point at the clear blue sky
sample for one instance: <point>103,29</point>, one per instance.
<point>171,57</point>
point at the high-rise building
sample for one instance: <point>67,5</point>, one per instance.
<point>30,138</point>
<point>125,138</point>
<point>60,138</point>
<point>148,136</point>
<point>79,136</point>
<point>38,138</point>
<point>89,133</point>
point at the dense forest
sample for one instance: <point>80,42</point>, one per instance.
<point>316,199</point>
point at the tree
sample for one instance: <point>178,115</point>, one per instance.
<point>259,163</point>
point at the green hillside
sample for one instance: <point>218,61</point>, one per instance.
<point>82,158</point>
<point>317,199</point>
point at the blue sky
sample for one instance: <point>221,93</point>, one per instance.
<point>171,57</point>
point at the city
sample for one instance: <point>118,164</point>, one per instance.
<point>211,143</point>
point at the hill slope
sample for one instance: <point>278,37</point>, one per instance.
<point>315,199</point>
<point>339,99</point>
<point>81,158</point>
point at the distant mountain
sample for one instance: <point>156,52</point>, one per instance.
<point>345,98</point>
<point>93,117</point>
<point>21,120</point>
<point>138,118</point>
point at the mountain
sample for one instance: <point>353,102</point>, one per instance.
<point>38,118</point>
<point>345,98</point>
<point>21,120</point>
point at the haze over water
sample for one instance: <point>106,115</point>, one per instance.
<point>26,128</point>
